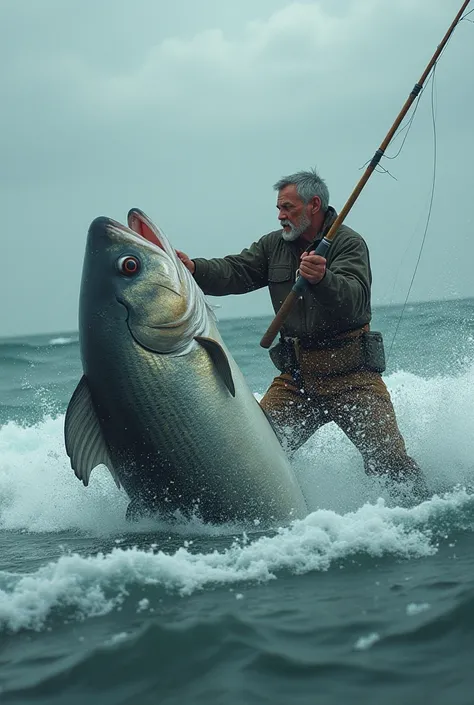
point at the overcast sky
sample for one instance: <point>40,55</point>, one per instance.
<point>192,109</point>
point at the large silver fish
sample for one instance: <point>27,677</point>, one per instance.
<point>162,403</point>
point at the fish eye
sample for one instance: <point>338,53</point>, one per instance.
<point>128,265</point>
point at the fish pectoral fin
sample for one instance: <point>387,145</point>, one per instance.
<point>85,444</point>
<point>219,358</point>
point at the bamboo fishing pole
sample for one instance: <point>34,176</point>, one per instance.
<point>322,248</point>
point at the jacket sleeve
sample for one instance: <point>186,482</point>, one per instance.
<point>234,274</point>
<point>345,288</point>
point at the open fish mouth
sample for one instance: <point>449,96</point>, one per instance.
<point>168,327</point>
<point>139,224</point>
<point>141,231</point>
<point>145,238</point>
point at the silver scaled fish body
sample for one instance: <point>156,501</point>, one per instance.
<point>162,403</point>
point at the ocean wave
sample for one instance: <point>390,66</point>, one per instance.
<point>63,341</point>
<point>351,518</point>
<point>39,492</point>
<point>18,346</point>
<point>15,361</point>
<point>81,587</point>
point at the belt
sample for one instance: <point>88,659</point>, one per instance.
<point>311,343</point>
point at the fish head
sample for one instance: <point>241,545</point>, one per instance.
<point>134,284</point>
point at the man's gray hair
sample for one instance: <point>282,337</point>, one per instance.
<point>308,185</point>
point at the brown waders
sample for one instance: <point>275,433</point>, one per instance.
<point>324,387</point>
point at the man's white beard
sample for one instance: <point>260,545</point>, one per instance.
<point>295,230</point>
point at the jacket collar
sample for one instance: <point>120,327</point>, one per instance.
<point>329,219</point>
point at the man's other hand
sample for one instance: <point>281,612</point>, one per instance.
<point>188,263</point>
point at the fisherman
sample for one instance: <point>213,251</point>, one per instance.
<point>330,363</point>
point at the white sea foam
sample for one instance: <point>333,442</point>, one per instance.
<point>62,341</point>
<point>90,586</point>
<point>366,642</point>
<point>413,608</point>
<point>39,493</point>
<point>436,418</point>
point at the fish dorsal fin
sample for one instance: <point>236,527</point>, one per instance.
<point>85,444</point>
<point>219,358</point>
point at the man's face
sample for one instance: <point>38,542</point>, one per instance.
<point>293,214</point>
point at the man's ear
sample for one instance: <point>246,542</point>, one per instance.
<point>315,204</point>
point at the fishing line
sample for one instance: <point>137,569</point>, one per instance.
<point>300,285</point>
<point>407,126</point>
<point>409,123</point>
<point>430,207</point>
<point>432,78</point>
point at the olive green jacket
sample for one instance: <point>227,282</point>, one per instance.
<point>340,302</point>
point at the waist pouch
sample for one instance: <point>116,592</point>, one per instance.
<point>362,352</point>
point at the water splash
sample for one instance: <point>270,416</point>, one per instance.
<point>90,586</point>
<point>39,492</point>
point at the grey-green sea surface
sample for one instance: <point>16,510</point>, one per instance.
<point>366,600</point>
